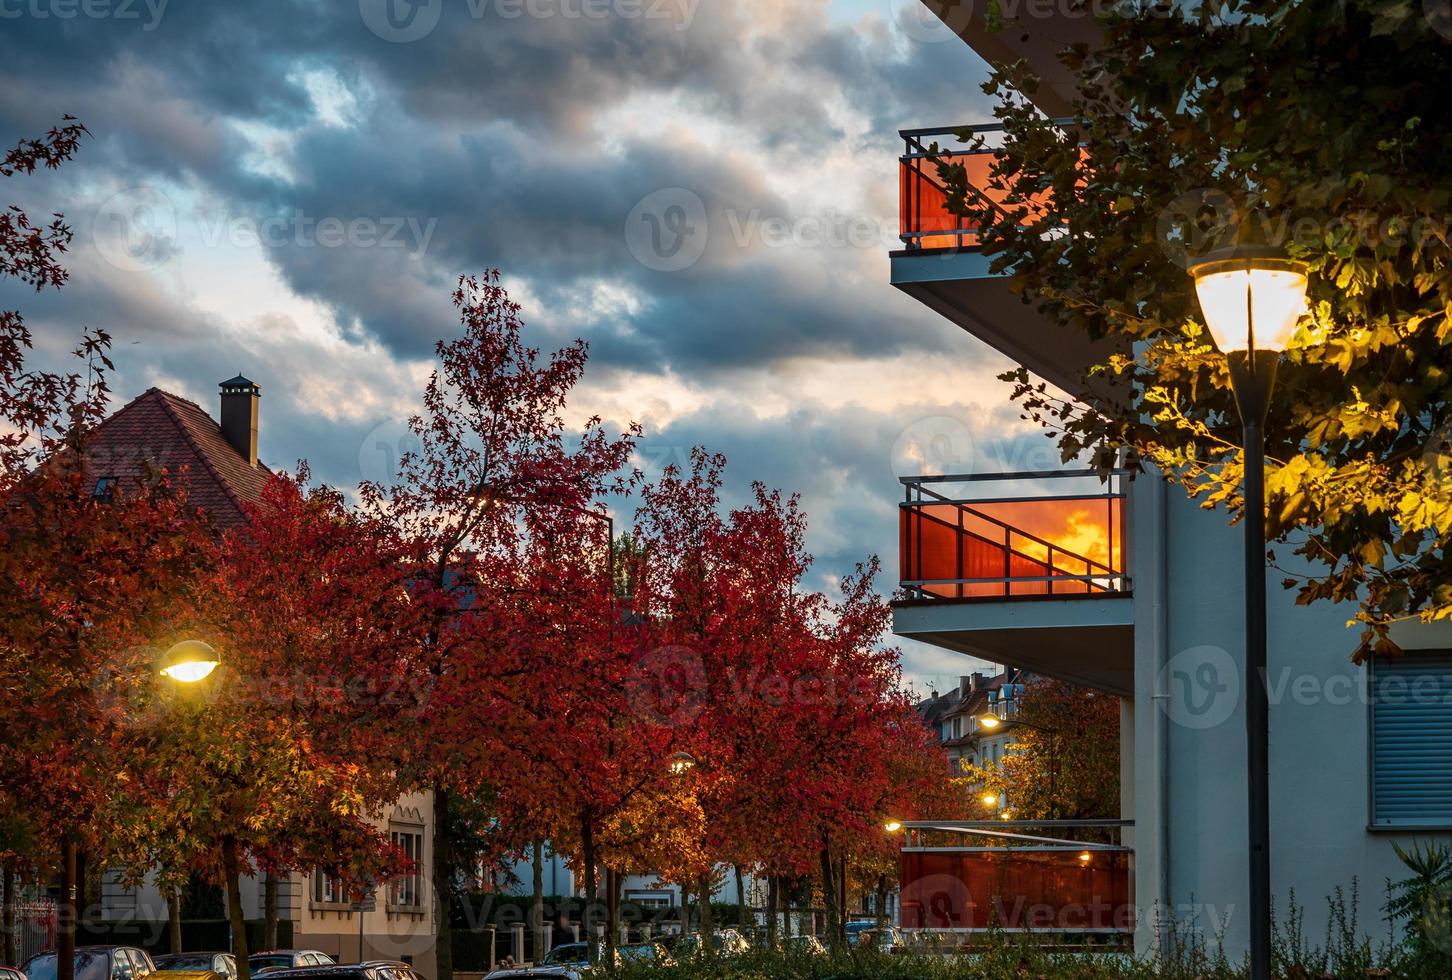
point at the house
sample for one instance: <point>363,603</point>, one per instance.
<point>217,464</point>
<point>954,717</point>
<point>1133,590</point>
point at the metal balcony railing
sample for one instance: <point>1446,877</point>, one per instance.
<point>924,218</point>
<point>1032,545</point>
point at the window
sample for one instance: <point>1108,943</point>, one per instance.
<point>105,490</point>
<point>406,891</point>
<point>329,889</point>
<point>1411,740</point>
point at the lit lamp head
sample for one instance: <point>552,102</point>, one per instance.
<point>680,763</point>
<point>990,799</point>
<point>989,721</point>
<point>1252,296</point>
<point>892,826</point>
<point>189,661</point>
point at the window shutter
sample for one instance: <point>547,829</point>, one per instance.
<point>1411,740</point>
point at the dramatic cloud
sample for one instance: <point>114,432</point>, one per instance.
<point>706,190</point>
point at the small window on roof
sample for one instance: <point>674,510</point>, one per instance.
<point>105,490</point>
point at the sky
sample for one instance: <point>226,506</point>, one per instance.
<point>704,190</point>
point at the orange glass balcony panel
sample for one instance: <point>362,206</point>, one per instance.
<point>924,217</point>
<point>1043,890</point>
<point>1016,546</point>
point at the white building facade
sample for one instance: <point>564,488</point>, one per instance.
<point>1132,589</point>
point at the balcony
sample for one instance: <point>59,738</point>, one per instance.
<point>1022,568</point>
<point>942,266</point>
<point>1070,879</point>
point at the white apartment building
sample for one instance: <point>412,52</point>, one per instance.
<point>1133,590</point>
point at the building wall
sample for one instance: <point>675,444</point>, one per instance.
<point>1189,659</point>
<point>391,931</point>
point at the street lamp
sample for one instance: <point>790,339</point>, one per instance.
<point>1252,298</point>
<point>189,661</point>
<point>892,826</point>
<point>681,763</point>
<point>991,722</point>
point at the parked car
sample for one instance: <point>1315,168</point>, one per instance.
<point>11,973</point>
<point>186,975</point>
<point>884,940</point>
<point>726,942</point>
<point>95,963</point>
<point>285,959</point>
<point>367,970</point>
<point>223,964</point>
<point>568,960</point>
<point>647,952</point>
<point>809,945</point>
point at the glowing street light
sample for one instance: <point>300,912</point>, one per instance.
<point>892,826</point>
<point>988,720</point>
<point>990,799</point>
<point>189,661</point>
<point>681,762</point>
<point>1253,297</point>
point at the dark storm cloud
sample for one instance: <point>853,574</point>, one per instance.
<point>485,127</point>
<point>502,141</point>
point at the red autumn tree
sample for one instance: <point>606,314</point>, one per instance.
<point>768,655</point>
<point>87,579</point>
<point>495,449</point>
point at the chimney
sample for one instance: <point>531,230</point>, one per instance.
<point>239,416</point>
<point>972,683</point>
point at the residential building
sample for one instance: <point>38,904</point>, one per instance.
<point>954,717</point>
<point>1134,590</point>
<point>217,464</point>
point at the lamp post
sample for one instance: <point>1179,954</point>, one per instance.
<point>991,722</point>
<point>1252,298</point>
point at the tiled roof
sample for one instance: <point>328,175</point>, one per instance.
<point>161,431</point>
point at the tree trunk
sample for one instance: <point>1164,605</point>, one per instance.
<point>771,912</point>
<point>587,918</point>
<point>842,894</point>
<point>8,919</point>
<point>703,893</point>
<point>66,915</point>
<point>231,872</point>
<point>881,901</point>
<point>740,898</point>
<point>536,911</point>
<point>269,911</point>
<point>442,868</point>
<point>829,893</point>
<point>173,920</point>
